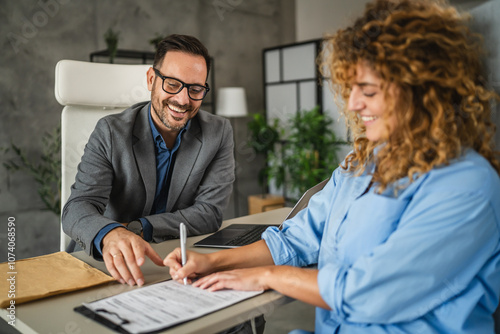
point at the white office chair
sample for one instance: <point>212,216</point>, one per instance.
<point>89,91</point>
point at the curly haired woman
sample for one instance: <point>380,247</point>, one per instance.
<point>405,234</point>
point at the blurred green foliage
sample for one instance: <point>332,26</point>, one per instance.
<point>302,158</point>
<point>45,169</point>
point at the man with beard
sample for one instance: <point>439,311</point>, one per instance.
<point>153,166</point>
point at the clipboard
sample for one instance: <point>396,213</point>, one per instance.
<point>156,307</point>
<point>96,317</point>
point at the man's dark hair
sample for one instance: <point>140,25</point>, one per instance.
<point>183,43</point>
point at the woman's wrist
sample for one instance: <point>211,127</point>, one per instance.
<point>268,276</point>
<point>215,261</point>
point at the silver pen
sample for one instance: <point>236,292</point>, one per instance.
<point>182,230</point>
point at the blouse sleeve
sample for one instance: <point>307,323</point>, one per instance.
<point>299,241</point>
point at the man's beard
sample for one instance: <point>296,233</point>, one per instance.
<point>163,115</point>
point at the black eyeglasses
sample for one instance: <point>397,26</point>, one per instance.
<point>174,86</point>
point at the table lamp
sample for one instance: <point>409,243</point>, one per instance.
<point>231,103</point>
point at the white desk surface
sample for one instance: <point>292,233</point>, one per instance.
<point>55,315</point>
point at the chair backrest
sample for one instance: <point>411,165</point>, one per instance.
<point>89,91</point>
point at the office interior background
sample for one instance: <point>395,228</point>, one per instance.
<point>36,34</point>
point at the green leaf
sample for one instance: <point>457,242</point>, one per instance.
<point>45,168</point>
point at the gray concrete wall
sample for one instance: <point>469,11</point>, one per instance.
<point>35,34</point>
<point>485,21</point>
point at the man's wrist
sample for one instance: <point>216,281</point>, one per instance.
<point>135,227</point>
<point>99,239</point>
<point>147,229</point>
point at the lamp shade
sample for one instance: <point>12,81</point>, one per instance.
<point>231,102</point>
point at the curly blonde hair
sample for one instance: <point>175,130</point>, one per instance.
<point>442,107</point>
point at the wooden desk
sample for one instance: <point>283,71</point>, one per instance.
<point>55,315</point>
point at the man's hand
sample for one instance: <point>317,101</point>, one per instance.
<point>123,253</point>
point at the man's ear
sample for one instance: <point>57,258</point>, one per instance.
<point>150,77</point>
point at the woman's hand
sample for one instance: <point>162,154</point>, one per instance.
<point>253,255</point>
<point>258,273</point>
<point>298,283</point>
<point>252,279</point>
<point>196,265</point>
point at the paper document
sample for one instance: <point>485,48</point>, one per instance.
<point>163,305</point>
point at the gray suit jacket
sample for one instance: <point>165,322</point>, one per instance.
<point>116,179</point>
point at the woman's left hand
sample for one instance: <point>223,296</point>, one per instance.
<point>298,283</point>
<point>251,279</point>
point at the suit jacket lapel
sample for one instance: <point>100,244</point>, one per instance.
<point>145,157</point>
<point>184,162</point>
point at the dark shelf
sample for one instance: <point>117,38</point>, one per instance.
<point>144,55</point>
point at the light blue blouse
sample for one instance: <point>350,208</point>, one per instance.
<point>426,260</point>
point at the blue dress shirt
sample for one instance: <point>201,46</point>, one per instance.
<point>165,159</point>
<point>426,260</point>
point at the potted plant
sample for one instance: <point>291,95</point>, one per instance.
<point>46,170</point>
<point>156,40</point>
<point>263,139</point>
<point>306,157</point>
<point>309,153</point>
<point>111,38</point>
